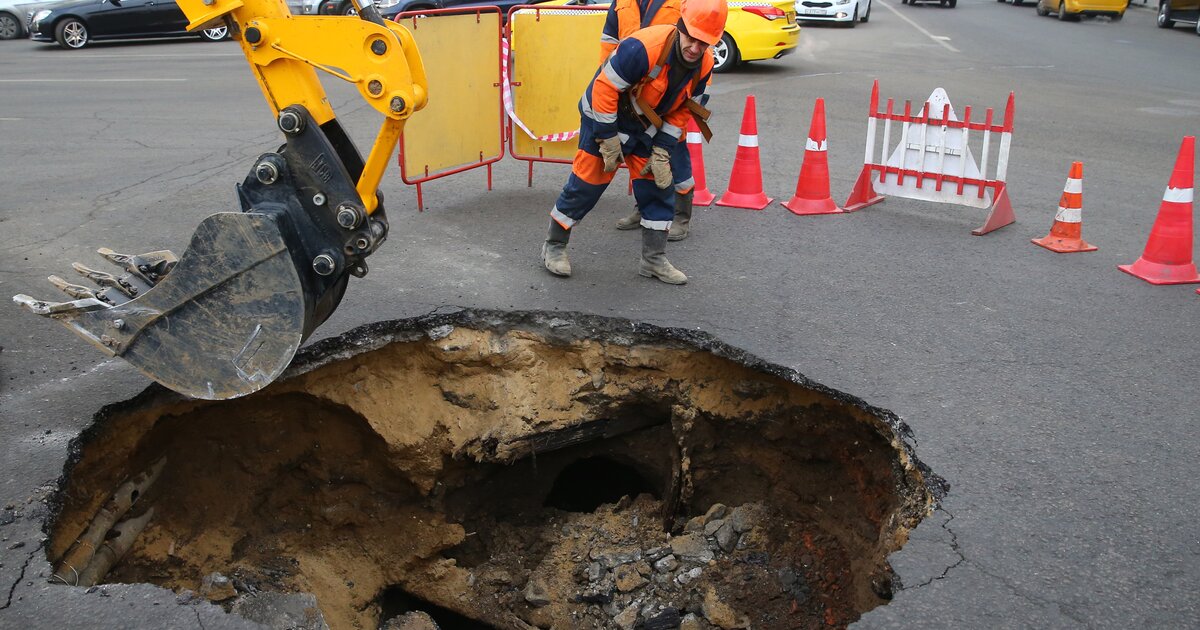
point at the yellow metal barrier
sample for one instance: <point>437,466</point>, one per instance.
<point>462,126</point>
<point>555,53</point>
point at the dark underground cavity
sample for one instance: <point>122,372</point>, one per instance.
<point>587,484</point>
<point>509,470</point>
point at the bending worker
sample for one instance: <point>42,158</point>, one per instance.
<point>623,19</point>
<point>635,109</point>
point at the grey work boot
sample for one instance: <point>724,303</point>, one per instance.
<point>631,222</point>
<point>554,250</point>
<point>654,258</point>
<point>683,217</point>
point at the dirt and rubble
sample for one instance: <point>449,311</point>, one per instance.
<point>513,471</point>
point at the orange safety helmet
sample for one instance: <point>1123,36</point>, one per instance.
<point>704,19</point>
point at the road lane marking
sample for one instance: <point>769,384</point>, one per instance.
<point>87,57</point>
<point>92,80</point>
<point>940,39</point>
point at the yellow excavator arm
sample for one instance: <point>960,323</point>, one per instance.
<point>378,56</point>
<point>225,318</point>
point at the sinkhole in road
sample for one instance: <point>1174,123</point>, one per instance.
<point>505,470</point>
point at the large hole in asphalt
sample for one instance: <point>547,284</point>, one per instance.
<point>506,470</point>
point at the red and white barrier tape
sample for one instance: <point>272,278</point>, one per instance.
<point>506,93</point>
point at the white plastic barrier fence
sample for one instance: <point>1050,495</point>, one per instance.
<point>933,160</point>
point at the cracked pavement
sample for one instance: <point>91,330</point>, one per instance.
<point>1055,394</point>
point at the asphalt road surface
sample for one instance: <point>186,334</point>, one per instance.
<point>1057,395</point>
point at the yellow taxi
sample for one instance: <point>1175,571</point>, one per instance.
<point>755,30</point>
<point>1070,10</point>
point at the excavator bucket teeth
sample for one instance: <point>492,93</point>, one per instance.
<point>149,267</point>
<point>224,322</point>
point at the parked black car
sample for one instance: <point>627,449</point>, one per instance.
<point>74,24</point>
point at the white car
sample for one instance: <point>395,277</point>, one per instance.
<point>849,12</point>
<point>14,16</point>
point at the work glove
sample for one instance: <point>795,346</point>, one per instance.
<point>610,151</point>
<point>660,165</point>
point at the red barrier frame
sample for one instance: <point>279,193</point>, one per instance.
<point>537,10</point>
<point>413,16</point>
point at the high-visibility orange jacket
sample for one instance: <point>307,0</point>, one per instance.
<point>626,16</point>
<point>633,67</point>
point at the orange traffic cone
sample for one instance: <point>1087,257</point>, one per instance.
<point>695,145</point>
<point>1064,236</point>
<point>745,182</point>
<point>1168,255</point>
<point>812,187</point>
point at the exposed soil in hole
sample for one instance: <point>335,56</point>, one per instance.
<point>516,470</point>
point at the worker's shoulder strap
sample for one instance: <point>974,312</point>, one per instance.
<point>662,56</point>
<point>650,11</point>
<point>655,70</point>
<point>699,113</point>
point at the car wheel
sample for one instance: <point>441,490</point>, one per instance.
<point>349,9</point>
<point>725,54</point>
<point>1062,12</point>
<point>1041,10</point>
<point>1198,27</point>
<point>953,3</point>
<point>217,34</point>
<point>853,18</point>
<point>1164,15</point>
<point>866,16</point>
<point>10,26</point>
<point>71,33</point>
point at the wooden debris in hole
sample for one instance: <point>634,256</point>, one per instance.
<point>80,556</point>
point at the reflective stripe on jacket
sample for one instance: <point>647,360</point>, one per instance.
<point>632,63</point>
<point>627,16</point>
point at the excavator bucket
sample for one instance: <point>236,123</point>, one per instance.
<point>222,323</point>
<point>226,318</point>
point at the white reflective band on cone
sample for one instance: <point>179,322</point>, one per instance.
<point>1068,215</point>
<point>747,141</point>
<point>694,138</point>
<point>1178,195</point>
<point>812,145</point>
<point>1073,186</point>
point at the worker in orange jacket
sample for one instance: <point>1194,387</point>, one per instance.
<point>635,110</point>
<point>626,16</point>
<point>623,19</point>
